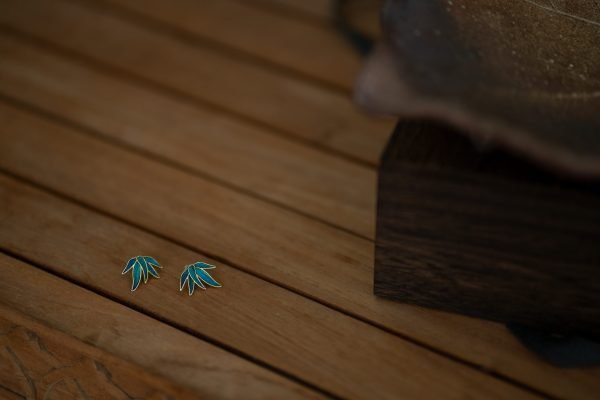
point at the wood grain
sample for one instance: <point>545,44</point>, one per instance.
<point>315,8</point>
<point>315,50</point>
<point>245,157</point>
<point>293,107</point>
<point>361,14</point>
<point>9,395</point>
<point>39,362</point>
<point>485,344</point>
<point>268,241</point>
<point>283,329</point>
<point>129,335</point>
<point>520,249</point>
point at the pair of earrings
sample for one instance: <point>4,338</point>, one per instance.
<point>193,275</point>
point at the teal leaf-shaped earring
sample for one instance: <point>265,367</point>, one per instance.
<point>141,267</point>
<point>195,275</point>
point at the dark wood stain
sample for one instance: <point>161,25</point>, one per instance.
<point>485,233</point>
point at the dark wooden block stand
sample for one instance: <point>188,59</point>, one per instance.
<point>485,233</point>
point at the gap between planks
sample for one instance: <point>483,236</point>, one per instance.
<point>179,95</point>
<point>184,354</point>
<point>242,54</point>
<point>314,10</point>
<point>223,261</point>
<point>143,154</point>
<point>397,330</point>
<point>315,299</point>
<point>311,183</point>
<point>312,337</point>
<point>296,109</point>
<point>47,357</point>
<point>275,40</point>
<point>363,15</point>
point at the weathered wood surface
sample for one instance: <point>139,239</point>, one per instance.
<point>261,96</point>
<point>363,14</point>
<point>281,24</point>
<point>247,158</point>
<point>82,156</point>
<point>315,50</point>
<point>22,78</point>
<point>38,362</point>
<point>315,8</point>
<point>89,111</point>
<point>296,334</point>
<point>132,336</point>
<point>485,233</point>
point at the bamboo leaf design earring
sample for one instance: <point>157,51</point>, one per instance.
<point>141,267</point>
<point>195,275</point>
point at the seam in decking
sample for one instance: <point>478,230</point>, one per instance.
<point>223,260</point>
<point>168,322</point>
<point>196,39</point>
<point>176,94</point>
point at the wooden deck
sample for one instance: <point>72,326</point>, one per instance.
<point>221,131</point>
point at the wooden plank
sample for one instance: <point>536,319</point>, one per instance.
<point>362,15</point>
<point>270,242</point>
<point>315,8</point>
<point>135,338</point>
<point>365,17</point>
<point>6,394</point>
<point>313,49</point>
<point>268,166</point>
<point>304,338</point>
<point>286,105</point>
<point>41,362</point>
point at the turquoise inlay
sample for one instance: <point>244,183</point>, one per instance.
<point>202,274</point>
<point>183,279</point>
<point>128,266</point>
<point>144,265</point>
<point>152,271</point>
<point>204,265</point>
<point>137,277</point>
<point>140,269</point>
<point>195,275</point>
<point>152,261</point>
<point>191,287</point>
